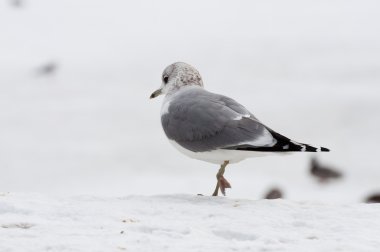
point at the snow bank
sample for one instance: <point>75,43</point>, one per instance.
<point>35,222</point>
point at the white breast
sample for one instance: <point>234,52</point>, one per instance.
<point>220,155</point>
<point>165,106</point>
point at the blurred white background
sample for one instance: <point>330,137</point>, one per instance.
<point>75,77</point>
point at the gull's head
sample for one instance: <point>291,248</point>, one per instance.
<point>178,75</point>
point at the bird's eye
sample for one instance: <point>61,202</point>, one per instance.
<point>166,79</point>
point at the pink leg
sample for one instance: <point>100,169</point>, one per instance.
<point>222,183</point>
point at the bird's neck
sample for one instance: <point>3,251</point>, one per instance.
<point>179,89</point>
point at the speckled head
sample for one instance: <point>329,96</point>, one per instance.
<point>177,75</point>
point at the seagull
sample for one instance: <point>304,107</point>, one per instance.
<point>17,3</point>
<point>213,127</point>
<point>374,198</point>
<point>323,173</point>
<point>48,68</point>
<point>274,193</point>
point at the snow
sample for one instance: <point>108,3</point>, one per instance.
<point>35,222</point>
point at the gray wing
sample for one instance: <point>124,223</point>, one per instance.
<point>202,121</point>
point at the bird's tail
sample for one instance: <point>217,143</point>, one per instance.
<point>281,146</point>
<point>295,146</point>
<point>285,144</point>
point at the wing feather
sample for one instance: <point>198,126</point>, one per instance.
<point>201,121</point>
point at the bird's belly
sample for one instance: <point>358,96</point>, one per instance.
<point>220,155</point>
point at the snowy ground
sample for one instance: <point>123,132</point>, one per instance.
<point>33,222</point>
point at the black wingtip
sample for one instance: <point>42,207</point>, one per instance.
<point>325,149</point>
